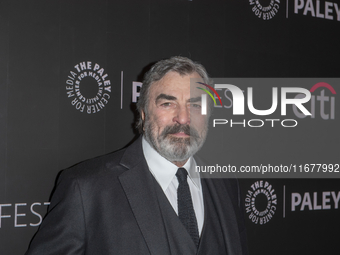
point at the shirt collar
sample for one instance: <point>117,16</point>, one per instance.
<point>163,170</point>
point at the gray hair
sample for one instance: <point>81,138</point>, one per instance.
<point>180,65</point>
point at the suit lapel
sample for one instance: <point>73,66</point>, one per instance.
<point>139,188</point>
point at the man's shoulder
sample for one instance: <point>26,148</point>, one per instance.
<point>111,164</point>
<point>96,166</point>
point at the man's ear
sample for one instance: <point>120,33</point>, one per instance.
<point>142,114</point>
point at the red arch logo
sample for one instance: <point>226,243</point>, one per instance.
<point>208,86</point>
<point>323,84</point>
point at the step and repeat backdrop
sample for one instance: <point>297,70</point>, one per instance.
<point>70,76</point>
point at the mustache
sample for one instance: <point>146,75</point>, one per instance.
<point>186,129</point>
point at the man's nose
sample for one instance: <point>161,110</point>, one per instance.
<point>182,116</point>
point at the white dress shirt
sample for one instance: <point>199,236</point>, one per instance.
<point>165,173</point>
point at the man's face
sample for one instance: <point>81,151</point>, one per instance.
<point>174,125</point>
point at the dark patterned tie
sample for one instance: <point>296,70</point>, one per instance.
<point>186,211</point>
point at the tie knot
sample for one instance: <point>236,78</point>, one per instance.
<point>182,174</point>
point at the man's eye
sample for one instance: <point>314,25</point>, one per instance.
<point>196,106</point>
<point>167,104</point>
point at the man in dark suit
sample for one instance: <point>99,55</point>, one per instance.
<point>148,198</point>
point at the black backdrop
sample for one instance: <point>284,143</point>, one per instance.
<point>42,132</point>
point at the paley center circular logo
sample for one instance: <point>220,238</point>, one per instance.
<point>88,87</point>
<point>265,9</point>
<point>261,202</point>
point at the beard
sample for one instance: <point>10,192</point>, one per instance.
<point>174,149</point>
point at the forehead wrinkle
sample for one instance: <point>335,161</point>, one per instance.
<point>165,96</point>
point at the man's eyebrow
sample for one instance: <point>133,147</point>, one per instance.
<point>164,96</point>
<point>194,99</point>
<point>172,98</point>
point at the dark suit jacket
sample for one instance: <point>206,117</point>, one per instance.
<point>113,205</point>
